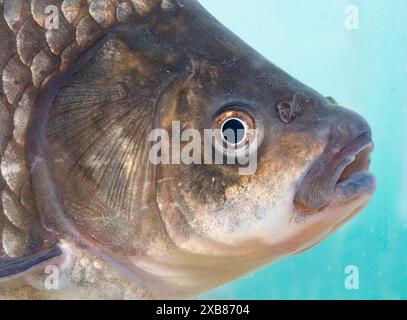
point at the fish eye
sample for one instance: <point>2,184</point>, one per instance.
<point>234,130</point>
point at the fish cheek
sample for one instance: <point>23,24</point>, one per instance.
<point>190,193</point>
<point>192,198</point>
<point>202,203</point>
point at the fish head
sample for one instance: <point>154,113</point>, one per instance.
<point>182,228</point>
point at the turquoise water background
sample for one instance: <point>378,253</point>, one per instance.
<point>365,70</point>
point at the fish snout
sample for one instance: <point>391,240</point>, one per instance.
<point>346,126</point>
<point>341,172</point>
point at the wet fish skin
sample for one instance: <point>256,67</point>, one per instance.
<point>76,106</point>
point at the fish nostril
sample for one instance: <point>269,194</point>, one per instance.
<point>284,109</point>
<point>287,110</point>
<point>290,109</point>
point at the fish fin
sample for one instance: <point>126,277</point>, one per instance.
<point>14,267</point>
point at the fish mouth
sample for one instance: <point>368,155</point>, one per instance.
<point>340,177</point>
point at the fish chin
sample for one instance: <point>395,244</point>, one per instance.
<point>338,212</point>
<point>352,192</point>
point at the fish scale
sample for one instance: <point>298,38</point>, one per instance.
<point>30,56</point>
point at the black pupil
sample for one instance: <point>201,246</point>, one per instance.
<point>233,131</point>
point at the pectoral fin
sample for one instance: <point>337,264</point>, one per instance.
<point>11,268</point>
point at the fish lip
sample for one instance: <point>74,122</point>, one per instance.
<point>337,213</point>
<point>357,184</point>
<point>349,177</point>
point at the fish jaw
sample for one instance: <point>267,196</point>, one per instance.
<point>303,233</point>
<point>331,218</point>
<point>179,274</point>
